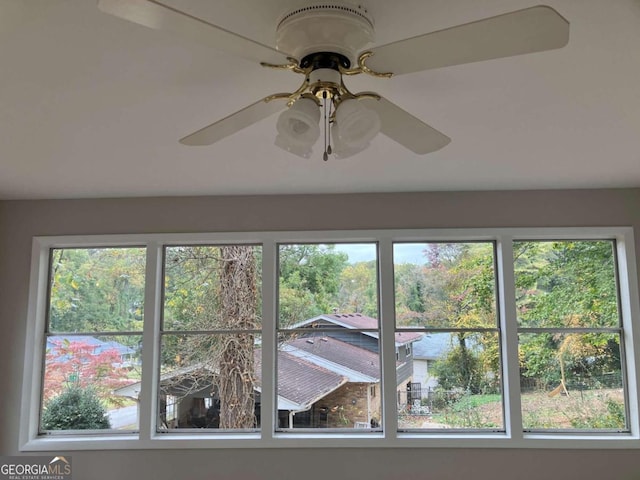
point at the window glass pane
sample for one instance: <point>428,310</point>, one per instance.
<point>87,382</point>
<point>328,379</point>
<point>92,291</point>
<point>323,279</point>
<point>210,381</point>
<point>566,284</point>
<point>445,285</point>
<point>572,381</point>
<point>212,288</point>
<point>455,382</point>
<point>96,289</point>
<point>328,358</point>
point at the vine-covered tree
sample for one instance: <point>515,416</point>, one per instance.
<point>238,294</point>
<point>212,293</point>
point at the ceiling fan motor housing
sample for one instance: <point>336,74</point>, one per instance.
<point>329,27</point>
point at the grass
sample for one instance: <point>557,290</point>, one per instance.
<point>587,410</point>
<point>475,401</point>
<point>472,411</point>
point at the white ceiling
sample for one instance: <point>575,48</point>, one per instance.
<point>93,106</point>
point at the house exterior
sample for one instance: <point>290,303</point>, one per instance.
<point>328,377</point>
<point>340,325</point>
<point>426,351</point>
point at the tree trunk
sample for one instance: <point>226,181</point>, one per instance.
<point>238,300</point>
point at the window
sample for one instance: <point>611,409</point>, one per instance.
<point>328,336</point>
<point>446,304</point>
<point>474,338</point>
<point>570,336</point>
<point>93,337</point>
<point>210,338</point>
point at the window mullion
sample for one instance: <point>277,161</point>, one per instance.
<point>509,337</point>
<point>630,312</point>
<point>269,343</point>
<point>147,399</point>
<point>387,339</point>
<point>33,362</point>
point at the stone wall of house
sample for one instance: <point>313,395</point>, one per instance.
<point>348,405</point>
<point>356,402</point>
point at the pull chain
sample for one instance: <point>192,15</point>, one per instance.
<point>329,150</point>
<point>325,155</point>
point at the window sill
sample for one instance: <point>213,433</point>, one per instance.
<point>356,440</point>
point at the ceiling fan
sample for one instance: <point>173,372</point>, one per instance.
<point>325,42</point>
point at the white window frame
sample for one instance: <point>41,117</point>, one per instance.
<point>512,437</point>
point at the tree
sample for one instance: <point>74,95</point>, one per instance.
<point>310,281</point>
<point>567,284</point>
<point>238,302</point>
<point>461,292</point>
<point>76,408</point>
<point>461,368</point>
<point>74,362</point>
<point>97,290</point>
<point>455,289</point>
<point>214,290</point>
<point>358,289</point>
<point>410,295</point>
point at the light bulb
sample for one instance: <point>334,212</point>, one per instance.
<point>298,126</point>
<point>356,125</point>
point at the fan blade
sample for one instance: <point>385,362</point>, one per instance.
<point>404,128</point>
<point>155,14</point>
<point>233,123</point>
<point>524,31</point>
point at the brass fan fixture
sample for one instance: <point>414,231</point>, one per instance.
<point>326,42</point>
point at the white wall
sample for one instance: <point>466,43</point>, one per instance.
<point>422,375</point>
<point>21,220</point>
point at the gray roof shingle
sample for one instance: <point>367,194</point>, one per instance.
<point>334,350</point>
<point>361,322</point>
<point>300,381</point>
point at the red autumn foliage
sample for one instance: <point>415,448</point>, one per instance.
<point>80,363</point>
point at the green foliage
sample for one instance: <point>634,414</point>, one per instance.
<point>190,290</point>
<point>411,292</point>
<point>457,290</point>
<point>466,411</point>
<point>96,290</point>
<point>310,281</point>
<point>612,418</point>
<point>464,369</point>
<point>358,289</point>
<point>566,284</point>
<point>584,410</point>
<point>76,408</point>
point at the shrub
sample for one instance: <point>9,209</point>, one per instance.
<point>76,408</point>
